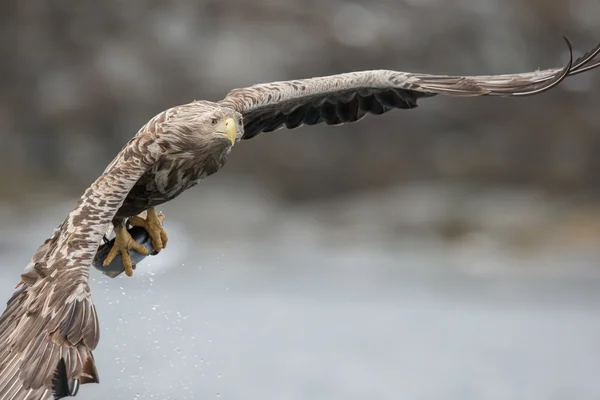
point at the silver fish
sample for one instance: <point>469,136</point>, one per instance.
<point>115,268</point>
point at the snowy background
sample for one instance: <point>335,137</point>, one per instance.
<point>454,258</point>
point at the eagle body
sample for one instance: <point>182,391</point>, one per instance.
<point>177,167</point>
<point>168,178</point>
<point>50,327</point>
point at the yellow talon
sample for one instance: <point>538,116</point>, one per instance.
<point>123,243</point>
<point>153,225</point>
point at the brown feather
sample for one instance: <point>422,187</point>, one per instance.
<point>50,326</point>
<point>349,97</point>
<point>53,312</point>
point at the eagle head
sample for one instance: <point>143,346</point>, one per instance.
<point>222,125</point>
<point>202,126</point>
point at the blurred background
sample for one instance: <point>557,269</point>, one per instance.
<point>446,252</point>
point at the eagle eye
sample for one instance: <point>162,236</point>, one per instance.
<point>213,121</point>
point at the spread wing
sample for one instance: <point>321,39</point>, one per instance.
<point>349,97</point>
<point>50,326</point>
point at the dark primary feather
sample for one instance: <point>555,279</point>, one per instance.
<point>349,97</point>
<point>334,109</point>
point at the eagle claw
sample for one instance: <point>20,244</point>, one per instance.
<point>123,243</point>
<point>153,225</point>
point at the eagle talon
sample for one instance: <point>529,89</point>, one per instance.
<point>153,225</point>
<point>123,243</point>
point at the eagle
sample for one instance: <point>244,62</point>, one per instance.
<point>50,326</point>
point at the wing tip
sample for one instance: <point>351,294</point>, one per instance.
<point>62,386</point>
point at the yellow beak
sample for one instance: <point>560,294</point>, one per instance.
<point>230,129</point>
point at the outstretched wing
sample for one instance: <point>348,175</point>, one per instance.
<point>50,326</point>
<point>349,97</point>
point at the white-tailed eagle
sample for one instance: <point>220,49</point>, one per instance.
<point>50,325</point>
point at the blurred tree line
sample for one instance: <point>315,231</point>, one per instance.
<point>80,77</point>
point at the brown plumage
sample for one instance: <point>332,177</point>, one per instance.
<point>50,326</point>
